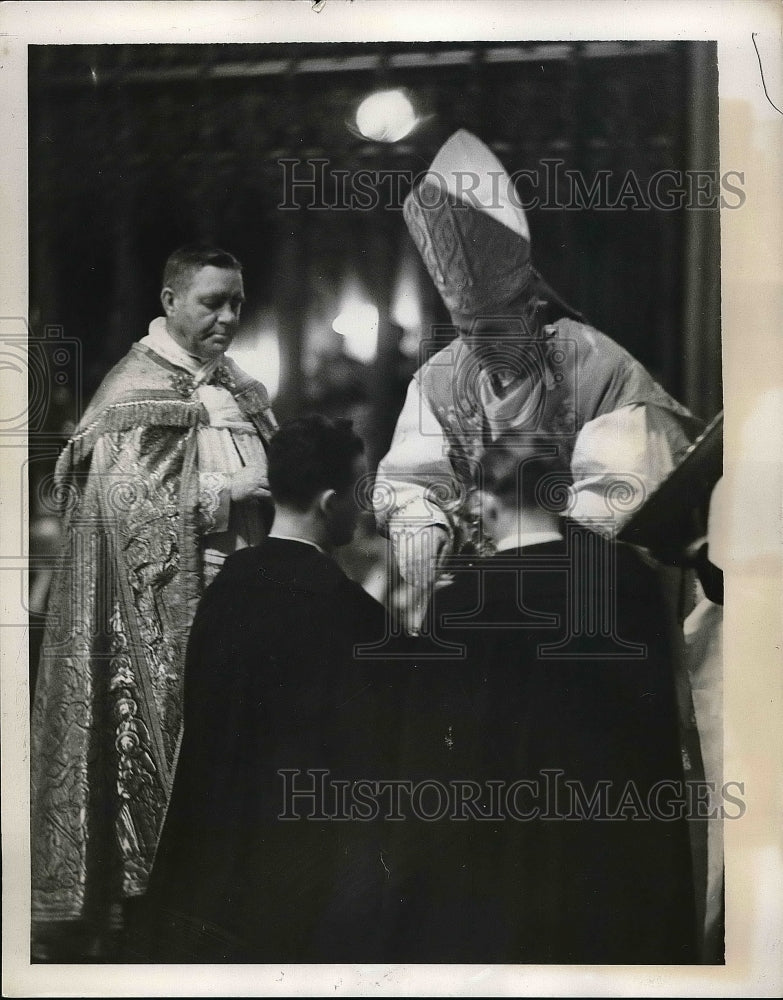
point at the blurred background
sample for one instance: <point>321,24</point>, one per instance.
<point>136,149</point>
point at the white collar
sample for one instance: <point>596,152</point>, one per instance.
<point>521,539</point>
<point>161,342</point>
<point>294,538</point>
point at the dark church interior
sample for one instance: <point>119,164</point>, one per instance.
<point>137,149</point>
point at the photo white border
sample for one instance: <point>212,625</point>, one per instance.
<point>752,298</point>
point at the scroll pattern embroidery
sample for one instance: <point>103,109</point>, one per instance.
<point>135,829</point>
<point>150,547</point>
<point>146,511</point>
<point>211,486</point>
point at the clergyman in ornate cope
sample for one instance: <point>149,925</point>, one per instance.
<point>164,476</point>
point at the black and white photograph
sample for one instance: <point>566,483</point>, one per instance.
<point>392,462</point>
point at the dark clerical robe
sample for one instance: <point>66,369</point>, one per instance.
<point>563,696</point>
<point>275,699</point>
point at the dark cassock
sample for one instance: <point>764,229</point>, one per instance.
<point>275,698</point>
<point>147,521</point>
<point>563,697</point>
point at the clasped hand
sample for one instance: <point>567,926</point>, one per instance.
<point>249,483</point>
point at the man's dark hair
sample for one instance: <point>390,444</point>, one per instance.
<point>526,473</point>
<point>311,454</point>
<point>184,262</point>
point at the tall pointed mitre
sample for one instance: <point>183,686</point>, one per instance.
<point>470,229</point>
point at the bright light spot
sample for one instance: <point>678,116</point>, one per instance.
<point>358,324</point>
<point>405,310</point>
<point>406,307</point>
<point>259,355</point>
<point>386,116</point>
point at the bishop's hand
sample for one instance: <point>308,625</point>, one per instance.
<point>419,551</point>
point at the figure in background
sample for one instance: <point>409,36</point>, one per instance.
<point>559,722</point>
<point>509,371</point>
<point>703,631</point>
<point>682,525</point>
<point>164,476</point>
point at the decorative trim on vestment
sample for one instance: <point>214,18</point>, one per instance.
<point>125,416</point>
<point>211,499</point>
<point>222,376</point>
<point>137,774</point>
<point>183,384</point>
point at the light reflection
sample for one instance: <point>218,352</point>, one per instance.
<point>357,323</point>
<point>406,305</point>
<point>257,351</point>
<point>386,116</point>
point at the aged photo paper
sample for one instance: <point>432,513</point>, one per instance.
<point>738,354</point>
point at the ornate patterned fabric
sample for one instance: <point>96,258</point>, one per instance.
<point>477,264</point>
<point>107,714</point>
<point>552,387</point>
<point>616,428</point>
<point>471,231</point>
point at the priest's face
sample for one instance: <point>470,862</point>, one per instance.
<point>203,315</point>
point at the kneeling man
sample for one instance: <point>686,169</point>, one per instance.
<point>254,864</point>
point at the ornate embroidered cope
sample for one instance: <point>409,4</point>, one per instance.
<point>107,714</point>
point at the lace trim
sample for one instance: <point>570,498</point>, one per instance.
<point>211,487</point>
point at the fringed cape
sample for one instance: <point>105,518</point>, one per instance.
<point>107,714</point>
